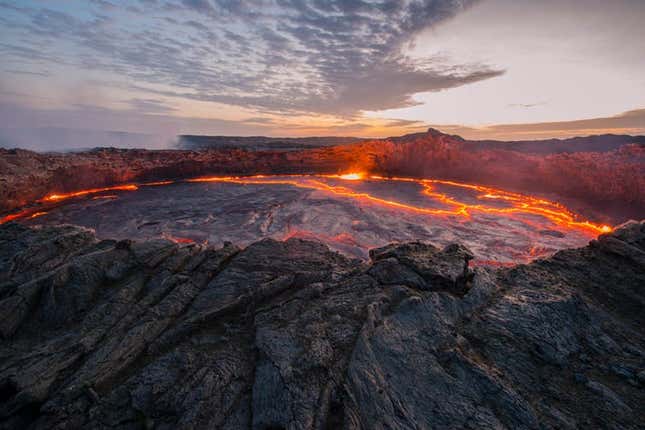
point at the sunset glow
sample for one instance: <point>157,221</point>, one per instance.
<point>264,77</point>
<point>305,214</point>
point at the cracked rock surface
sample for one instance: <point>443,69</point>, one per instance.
<point>289,335</point>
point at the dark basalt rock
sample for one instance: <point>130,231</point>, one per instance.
<point>289,335</point>
<point>422,266</point>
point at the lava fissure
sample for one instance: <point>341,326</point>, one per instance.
<point>520,204</point>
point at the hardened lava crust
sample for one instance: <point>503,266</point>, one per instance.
<point>602,176</point>
<point>290,335</point>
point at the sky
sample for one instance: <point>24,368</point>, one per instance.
<point>503,69</point>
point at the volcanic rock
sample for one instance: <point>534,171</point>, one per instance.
<point>601,175</point>
<point>289,335</point>
<point>422,266</point>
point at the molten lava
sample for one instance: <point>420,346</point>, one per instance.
<point>24,214</point>
<point>515,204</point>
<point>154,184</point>
<point>57,197</point>
<point>520,204</point>
<point>352,176</point>
<point>181,240</point>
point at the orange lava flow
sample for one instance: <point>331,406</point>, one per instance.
<point>352,176</point>
<point>520,203</point>
<point>517,204</point>
<point>154,184</point>
<point>24,214</point>
<point>182,240</point>
<point>57,197</point>
<point>15,216</point>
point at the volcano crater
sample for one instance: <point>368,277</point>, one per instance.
<point>350,213</point>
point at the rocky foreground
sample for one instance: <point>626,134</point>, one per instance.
<point>106,334</point>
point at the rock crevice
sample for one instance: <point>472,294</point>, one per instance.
<point>107,334</point>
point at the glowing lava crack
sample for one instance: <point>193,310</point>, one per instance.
<point>514,204</point>
<point>520,204</point>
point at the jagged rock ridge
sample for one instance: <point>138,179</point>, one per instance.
<point>106,334</point>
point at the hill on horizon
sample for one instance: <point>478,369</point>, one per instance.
<point>593,143</point>
<point>59,139</point>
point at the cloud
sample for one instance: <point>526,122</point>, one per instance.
<point>260,120</point>
<point>22,122</point>
<point>27,72</point>
<point>104,4</point>
<point>405,123</point>
<point>333,56</point>
<point>526,105</point>
<point>149,106</point>
<point>201,6</point>
<point>630,122</point>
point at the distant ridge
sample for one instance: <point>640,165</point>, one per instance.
<point>595,143</point>
<point>77,139</point>
<point>262,142</point>
<point>69,139</point>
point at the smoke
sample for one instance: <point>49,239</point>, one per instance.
<point>84,127</point>
<point>53,139</point>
